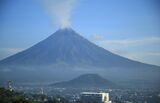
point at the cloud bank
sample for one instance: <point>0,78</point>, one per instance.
<point>60,11</point>
<point>6,52</point>
<point>145,49</point>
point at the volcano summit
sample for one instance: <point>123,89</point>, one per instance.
<point>65,55</point>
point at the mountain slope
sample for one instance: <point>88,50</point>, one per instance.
<point>66,52</point>
<point>86,81</point>
<point>69,47</point>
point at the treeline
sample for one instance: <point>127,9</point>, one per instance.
<point>7,96</point>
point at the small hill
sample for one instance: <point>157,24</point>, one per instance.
<point>86,81</point>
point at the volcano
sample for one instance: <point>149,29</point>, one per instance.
<point>66,54</point>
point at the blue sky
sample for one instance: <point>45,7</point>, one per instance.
<point>130,28</point>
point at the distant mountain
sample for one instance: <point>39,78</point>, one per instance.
<point>86,81</point>
<point>65,55</point>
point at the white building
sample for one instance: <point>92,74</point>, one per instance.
<point>92,97</point>
<point>9,85</point>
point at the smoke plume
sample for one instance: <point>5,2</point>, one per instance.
<point>60,11</point>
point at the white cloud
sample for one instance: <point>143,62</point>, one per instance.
<point>132,42</point>
<point>5,52</point>
<point>146,49</point>
<point>5,70</point>
<point>97,38</point>
<point>146,57</point>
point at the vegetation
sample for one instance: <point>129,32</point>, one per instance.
<point>7,96</point>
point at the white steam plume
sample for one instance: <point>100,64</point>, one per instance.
<point>60,11</point>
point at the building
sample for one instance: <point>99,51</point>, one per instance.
<point>92,97</point>
<point>9,86</point>
<point>42,92</point>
